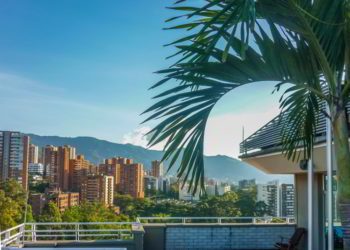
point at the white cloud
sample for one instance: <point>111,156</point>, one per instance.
<point>138,137</point>
<point>224,132</point>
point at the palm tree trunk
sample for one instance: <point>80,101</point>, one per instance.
<point>342,154</point>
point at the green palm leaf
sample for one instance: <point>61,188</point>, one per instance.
<point>236,42</point>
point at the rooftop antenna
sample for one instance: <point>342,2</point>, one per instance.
<point>242,133</point>
<point>243,142</point>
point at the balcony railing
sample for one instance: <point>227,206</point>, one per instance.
<point>60,231</point>
<point>217,220</point>
<point>269,137</point>
<point>117,231</point>
<point>11,235</point>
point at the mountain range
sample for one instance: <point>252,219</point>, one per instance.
<point>220,167</point>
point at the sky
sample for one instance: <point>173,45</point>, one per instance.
<point>83,67</point>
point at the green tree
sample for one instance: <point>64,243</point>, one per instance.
<point>14,191</point>
<point>13,205</point>
<point>91,212</point>
<point>134,207</point>
<point>219,206</point>
<point>10,212</point>
<point>261,209</point>
<point>175,208</point>
<point>301,45</point>
<point>94,212</point>
<point>72,214</point>
<point>247,202</point>
<point>50,213</point>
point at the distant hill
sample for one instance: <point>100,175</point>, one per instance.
<point>219,167</point>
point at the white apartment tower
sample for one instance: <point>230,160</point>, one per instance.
<point>33,154</point>
<point>14,157</point>
<point>270,194</point>
<point>108,190</point>
<point>278,198</point>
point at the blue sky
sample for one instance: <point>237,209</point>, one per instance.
<point>82,67</point>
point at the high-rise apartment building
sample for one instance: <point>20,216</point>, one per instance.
<point>72,152</point>
<point>128,175</point>
<point>287,199</point>
<point>49,161</point>
<point>56,165</point>
<point>14,157</point>
<point>61,177</point>
<point>157,169</point>
<point>98,188</point>
<point>33,153</point>
<point>278,198</point>
<point>274,198</point>
<point>107,196</point>
<point>270,194</point>
<point>131,180</point>
<point>112,167</point>
<point>78,170</point>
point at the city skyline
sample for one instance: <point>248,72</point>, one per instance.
<point>59,178</point>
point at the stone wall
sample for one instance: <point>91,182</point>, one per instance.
<point>225,236</point>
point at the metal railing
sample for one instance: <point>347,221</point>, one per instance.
<point>217,220</point>
<point>270,135</point>
<point>11,235</point>
<point>119,231</point>
<point>59,231</point>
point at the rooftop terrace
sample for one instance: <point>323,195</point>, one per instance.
<point>152,233</point>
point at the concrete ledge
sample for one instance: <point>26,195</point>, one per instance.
<point>217,225</point>
<point>214,236</point>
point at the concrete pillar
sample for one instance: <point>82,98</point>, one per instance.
<point>138,233</point>
<point>301,201</point>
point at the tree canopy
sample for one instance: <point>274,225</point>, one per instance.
<point>230,204</point>
<point>13,204</point>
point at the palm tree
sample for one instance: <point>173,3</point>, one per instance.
<point>302,44</point>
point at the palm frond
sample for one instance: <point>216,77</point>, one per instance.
<point>237,42</point>
<point>299,116</point>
